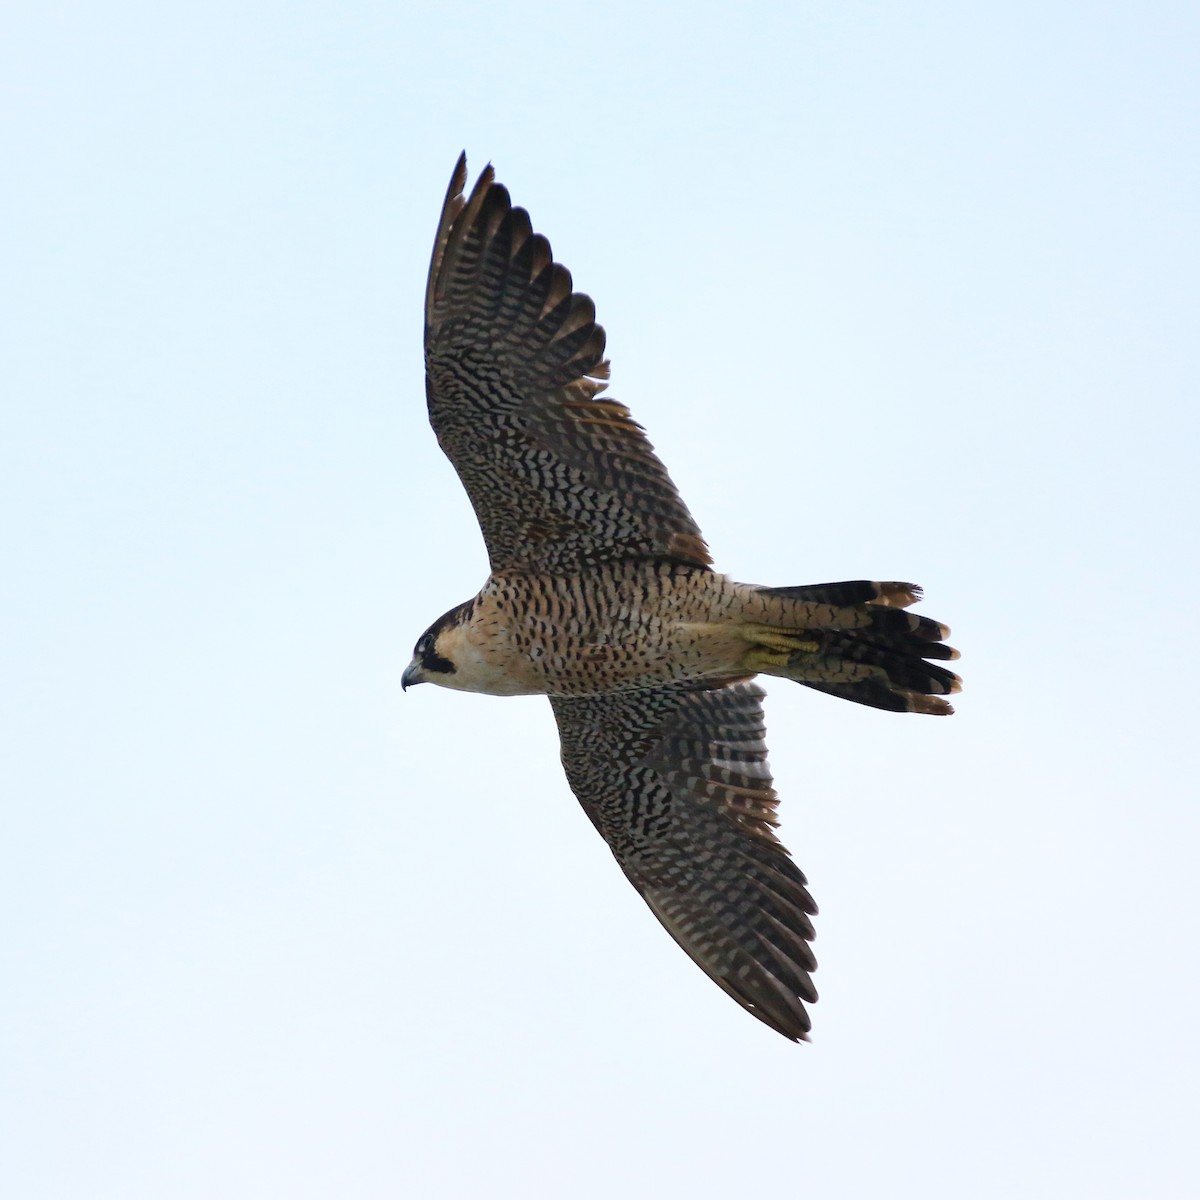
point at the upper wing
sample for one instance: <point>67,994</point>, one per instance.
<point>676,780</point>
<point>513,362</point>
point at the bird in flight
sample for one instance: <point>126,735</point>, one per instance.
<point>603,598</point>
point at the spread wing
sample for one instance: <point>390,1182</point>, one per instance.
<point>514,360</point>
<point>676,780</point>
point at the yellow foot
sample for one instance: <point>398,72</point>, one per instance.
<point>774,648</point>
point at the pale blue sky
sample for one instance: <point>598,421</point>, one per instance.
<point>899,290</point>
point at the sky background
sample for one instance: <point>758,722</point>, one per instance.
<point>900,291</point>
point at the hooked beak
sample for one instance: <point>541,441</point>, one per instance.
<point>412,674</point>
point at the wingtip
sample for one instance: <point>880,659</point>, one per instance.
<point>458,211</point>
<point>458,181</point>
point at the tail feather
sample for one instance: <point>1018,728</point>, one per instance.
<point>879,694</point>
<point>853,591</point>
<point>855,641</point>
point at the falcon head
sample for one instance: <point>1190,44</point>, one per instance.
<point>433,655</point>
<point>469,650</point>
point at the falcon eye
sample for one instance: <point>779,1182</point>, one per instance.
<point>431,660</point>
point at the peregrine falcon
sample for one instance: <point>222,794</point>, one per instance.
<point>603,598</point>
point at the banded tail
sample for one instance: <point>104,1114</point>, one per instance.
<point>854,640</point>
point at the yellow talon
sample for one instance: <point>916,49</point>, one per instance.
<point>783,640</point>
<point>765,660</point>
<point>774,649</point>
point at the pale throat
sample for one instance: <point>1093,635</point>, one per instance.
<point>483,661</point>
